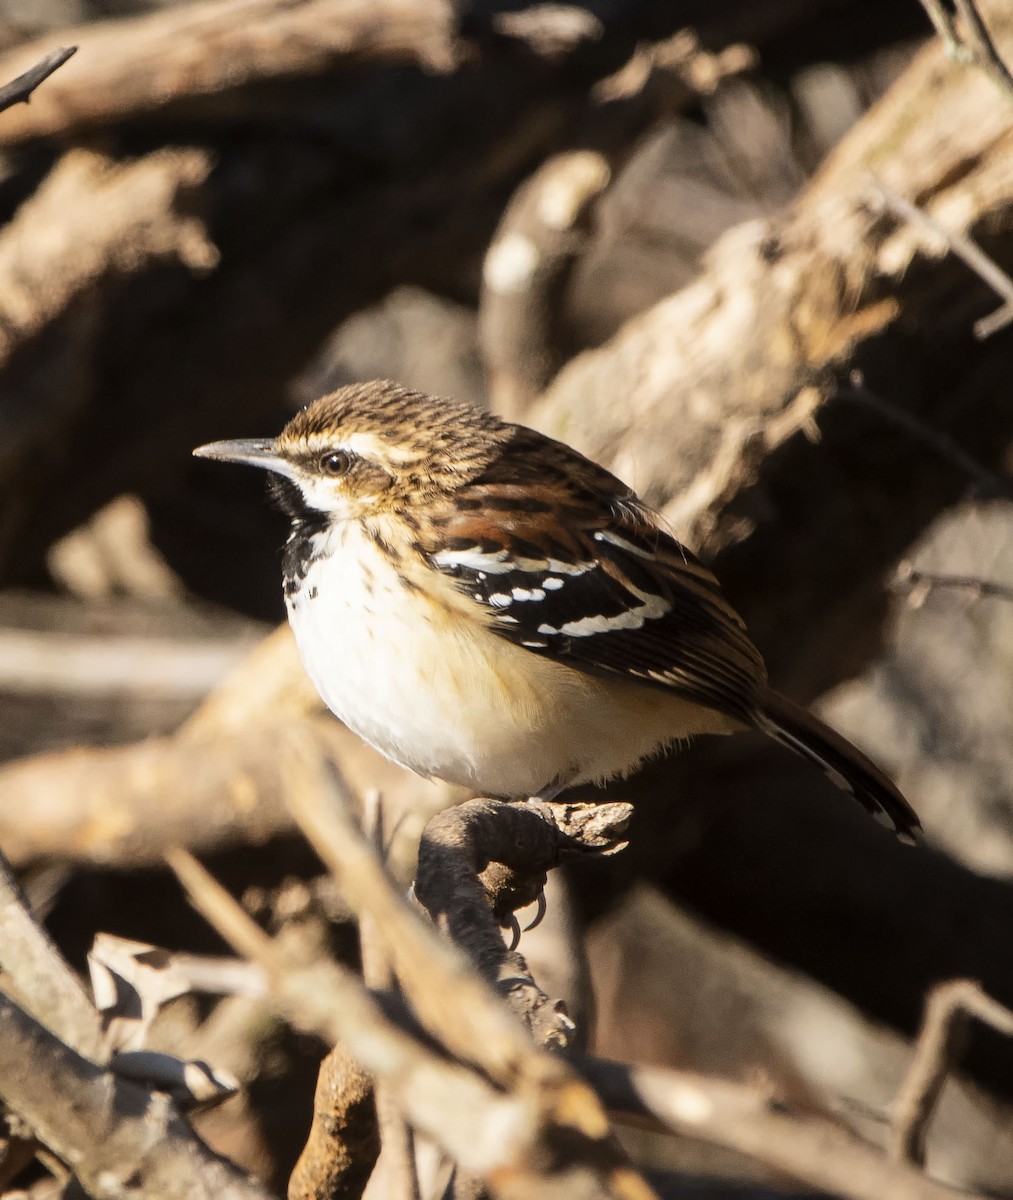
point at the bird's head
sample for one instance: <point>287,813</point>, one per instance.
<point>368,450</point>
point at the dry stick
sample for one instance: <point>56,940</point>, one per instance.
<point>397,1140</point>
<point>728,1114</point>
<point>975,47</point>
<point>43,981</point>
<point>750,1121</point>
<point>987,269</point>
<point>545,1119</point>
<point>19,90</point>
<point>536,245</point>
<point>462,1011</point>
<point>948,1010</point>
<point>940,443</point>
<point>919,583</point>
<point>137,65</point>
<point>120,1140</point>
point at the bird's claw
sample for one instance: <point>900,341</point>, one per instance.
<point>539,914</point>
<point>514,926</point>
<point>515,933</point>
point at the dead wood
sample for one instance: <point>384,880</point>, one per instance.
<point>93,218</point>
<point>721,403</point>
<point>227,779</point>
<point>19,90</point>
<point>539,1121</point>
<point>132,68</point>
<point>806,1147</point>
<point>39,977</point>
<point>539,238</point>
<point>118,1138</point>
<point>343,1142</point>
<point>948,1010</point>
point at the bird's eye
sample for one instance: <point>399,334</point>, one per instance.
<point>335,462</point>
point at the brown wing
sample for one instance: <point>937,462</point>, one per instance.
<point>573,566</point>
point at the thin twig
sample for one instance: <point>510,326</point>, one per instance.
<point>983,49</point>
<point>397,1138</point>
<point>968,251</point>
<point>974,47</point>
<point>941,444</point>
<point>19,91</point>
<point>917,584</point>
<point>948,1010</point>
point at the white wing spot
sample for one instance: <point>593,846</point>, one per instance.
<point>551,583</point>
<point>650,609</point>
<point>500,600</point>
<point>527,594</point>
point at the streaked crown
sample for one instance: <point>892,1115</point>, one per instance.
<point>370,448</point>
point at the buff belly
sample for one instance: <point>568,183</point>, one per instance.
<point>435,690</point>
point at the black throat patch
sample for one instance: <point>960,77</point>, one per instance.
<point>307,523</point>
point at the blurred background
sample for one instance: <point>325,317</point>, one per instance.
<point>219,210</point>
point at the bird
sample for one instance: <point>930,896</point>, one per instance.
<point>486,606</point>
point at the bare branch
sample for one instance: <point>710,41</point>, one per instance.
<point>974,46</point>
<point>948,1010</point>
<point>19,91</point>
<point>343,1141</point>
<point>119,1139</point>
<point>918,584</point>
<point>539,1118</point>
<point>987,269</point>
<point>138,65</point>
<point>40,977</point>
<point>941,444</point>
<point>749,1120</point>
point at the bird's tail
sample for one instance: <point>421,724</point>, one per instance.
<point>845,765</point>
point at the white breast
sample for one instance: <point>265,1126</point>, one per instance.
<point>439,692</point>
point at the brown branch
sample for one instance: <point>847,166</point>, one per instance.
<point>948,1011</point>
<point>119,1139</point>
<point>714,429</point>
<point>539,239</point>
<point>94,218</point>
<point>343,1142</point>
<point>973,47</point>
<point>197,52</point>
<point>540,1119</point>
<point>19,91</point>
<point>223,771</point>
<point>748,1120</point>
<point>480,861</point>
<point>40,977</point>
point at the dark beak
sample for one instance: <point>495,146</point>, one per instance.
<point>255,452</point>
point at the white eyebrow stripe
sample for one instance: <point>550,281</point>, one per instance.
<point>631,618</point>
